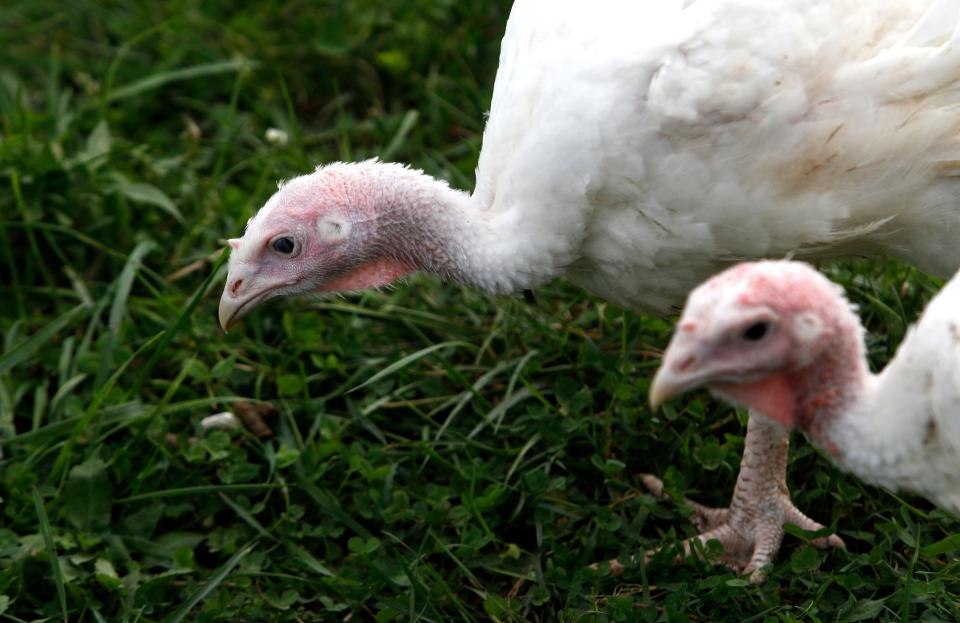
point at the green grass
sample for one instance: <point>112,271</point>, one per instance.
<point>437,455</point>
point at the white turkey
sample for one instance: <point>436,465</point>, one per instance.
<point>781,339</point>
<point>637,148</point>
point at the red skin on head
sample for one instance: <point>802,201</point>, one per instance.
<point>373,274</point>
<point>354,197</point>
<point>773,396</point>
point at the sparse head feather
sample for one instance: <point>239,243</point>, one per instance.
<point>787,288</point>
<point>783,285</point>
<point>351,194</point>
<point>344,185</point>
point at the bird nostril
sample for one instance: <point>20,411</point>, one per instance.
<point>686,363</point>
<point>235,286</point>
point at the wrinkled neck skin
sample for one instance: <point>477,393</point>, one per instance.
<point>847,411</point>
<point>423,224</point>
<point>828,392</point>
<point>417,227</point>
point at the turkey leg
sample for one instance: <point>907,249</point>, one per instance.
<point>751,529</point>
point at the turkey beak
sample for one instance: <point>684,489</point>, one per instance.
<point>240,295</point>
<point>228,311</point>
<point>231,306</point>
<point>245,289</point>
<point>679,372</point>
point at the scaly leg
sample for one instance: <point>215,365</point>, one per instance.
<point>751,529</point>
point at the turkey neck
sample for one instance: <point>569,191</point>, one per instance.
<point>873,433</point>
<point>425,224</point>
<point>836,398</point>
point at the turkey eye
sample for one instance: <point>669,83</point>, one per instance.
<point>756,331</point>
<point>283,245</point>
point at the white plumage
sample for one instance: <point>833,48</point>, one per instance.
<point>904,430</point>
<point>637,147</point>
<point>645,144</point>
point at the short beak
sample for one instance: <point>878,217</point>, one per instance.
<point>665,386</point>
<point>229,309</point>
<point>662,389</point>
<point>241,294</point>
<point>680,371</point>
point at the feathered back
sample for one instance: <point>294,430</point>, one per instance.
<point>648,144</point>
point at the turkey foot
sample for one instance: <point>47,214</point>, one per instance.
<point>751,529</point>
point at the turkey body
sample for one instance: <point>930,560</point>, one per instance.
<point>639,147</point>
<point>905,432</point>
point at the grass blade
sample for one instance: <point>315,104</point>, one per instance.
<point>44,523</point>
<point>214,581</point>
<point>406,361</point>
<point>181,320</point>
<point>192,491</point>
<point>146,194</point>
<point>31,239</point>
<point>943,546</point>
<point>407,124</point>
<point>118,309</point>
<point>247,517</point>
<point>92,409</point>
<point>25,349</point>
<point>308,560</point>
<point>185,73</point>
<point>331,506</point>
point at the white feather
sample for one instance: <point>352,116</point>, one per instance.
<point>905,431</point>
<point>638,147</point>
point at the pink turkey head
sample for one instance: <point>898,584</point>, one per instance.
<point>320,232</point>
<point>769,335</point>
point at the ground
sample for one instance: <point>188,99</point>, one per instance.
<point>434,455</point>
